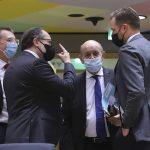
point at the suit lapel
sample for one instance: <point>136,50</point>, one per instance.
<point>115,69</point>
<point>82,95</point>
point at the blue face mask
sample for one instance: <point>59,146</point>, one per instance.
<point>11,49</point>
<point>93,65</point>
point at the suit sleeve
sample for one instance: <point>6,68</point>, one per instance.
<point>66,141</point>
<point>131,69</point>
<point>47,79</point>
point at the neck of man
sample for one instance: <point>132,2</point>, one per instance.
<point>37,51</point>
<point>130,33</point>
<point>3,56</point>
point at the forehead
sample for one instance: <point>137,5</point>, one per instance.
<point>7,34</point>
<point>91,45</point>
<point>91,49</point>
<point>46,35</point>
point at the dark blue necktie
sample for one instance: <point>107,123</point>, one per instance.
<point>100,122</point>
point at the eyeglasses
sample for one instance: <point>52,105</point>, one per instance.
<point>48,40</point>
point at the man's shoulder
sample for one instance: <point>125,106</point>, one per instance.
<point>134,43</point>
<point>24,59</point>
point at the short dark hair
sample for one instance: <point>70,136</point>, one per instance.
<point>126,15</point>
<point>28,36</point>
<point>5,28</point>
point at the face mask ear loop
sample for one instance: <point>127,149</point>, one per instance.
<point>39,48</point>
<point>123,35</point>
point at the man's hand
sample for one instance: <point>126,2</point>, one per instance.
<point>64,55</point>
<point>125,132</point>
<point>114,120</point>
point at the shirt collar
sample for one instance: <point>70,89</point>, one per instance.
<point>131,37</point>
<point>2,63</point>
<point>89,75</point>
<point>33,53</point>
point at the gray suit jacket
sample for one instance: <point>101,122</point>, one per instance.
<point>132,75</point>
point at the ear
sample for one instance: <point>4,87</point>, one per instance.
<point>80,57</point>
<point>103,54</point>
<point>36,42</point>
<point>125,27</point>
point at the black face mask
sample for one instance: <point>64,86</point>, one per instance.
<point>116,40</point>
<point>50,52</point>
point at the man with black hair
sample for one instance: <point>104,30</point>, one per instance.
<point>132,74</point>
<point>33,90</point>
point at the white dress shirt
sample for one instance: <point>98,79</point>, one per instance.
<point>31,52</point>
<point>131,37</point>
<point>4,114</point>
<point>90,103</point>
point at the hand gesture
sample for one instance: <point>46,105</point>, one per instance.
<point>64,55</point>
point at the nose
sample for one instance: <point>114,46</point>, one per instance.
<point>92,56</point>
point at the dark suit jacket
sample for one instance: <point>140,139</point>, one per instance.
<point>1,98</point>
<point>73,129</point>
<point>33,96</point>
<point>27,146</point>
<point>133,86</point>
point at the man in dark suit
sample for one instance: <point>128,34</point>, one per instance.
<point>8,48</point>
<point>79,127</point>
<point>132,74</point>
<point>33,90</point>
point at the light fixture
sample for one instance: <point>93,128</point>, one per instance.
<point>142,17</point>
<point>75,15</point>
<point>94,20</point>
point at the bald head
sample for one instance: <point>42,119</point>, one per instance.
<point>91,44</point>
<point>91,49</point>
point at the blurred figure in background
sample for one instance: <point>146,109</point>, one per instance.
<point>33,90</point>
<point>8,48</point>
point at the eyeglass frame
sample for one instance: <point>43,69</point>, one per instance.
<point>49,40</point>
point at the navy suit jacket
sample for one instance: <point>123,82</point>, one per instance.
<point>33,93</point>
<point>74,113</point>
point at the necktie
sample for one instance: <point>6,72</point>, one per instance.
<point>5,66</point>
<point>100,122</point>
<point>1,98</point>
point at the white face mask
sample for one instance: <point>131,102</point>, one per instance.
<point>93,65</point>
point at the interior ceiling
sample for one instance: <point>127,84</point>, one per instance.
<point>52,15</point>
